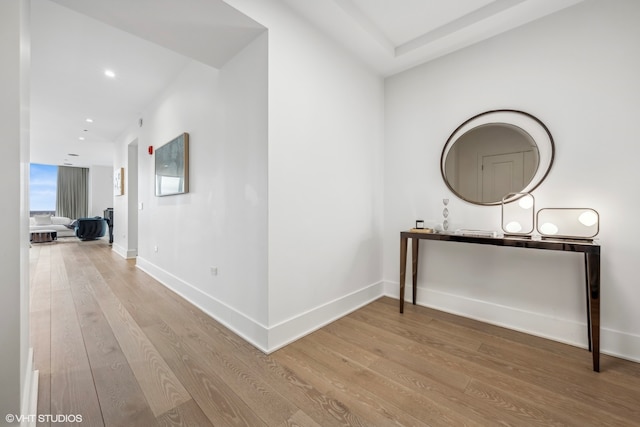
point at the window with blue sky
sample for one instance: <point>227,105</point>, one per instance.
<point>42,187</point>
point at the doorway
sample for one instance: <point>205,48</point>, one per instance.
<point>132,201</point>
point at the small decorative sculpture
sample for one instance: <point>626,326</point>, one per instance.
<point>445,214</point>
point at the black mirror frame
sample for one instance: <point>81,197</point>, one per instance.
<point>454,137</point>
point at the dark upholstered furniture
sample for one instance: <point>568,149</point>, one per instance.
<point>90,228</point>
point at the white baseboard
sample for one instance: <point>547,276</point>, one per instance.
<point>303,324</point>
<point>123,252</point>
<point>266,339</point>
<point>119,250</point>
<point>249,329</point>
<point>613,343</point>
<point>620,344</point>
<point>30,393</point>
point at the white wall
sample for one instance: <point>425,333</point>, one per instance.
<point>323,180</point>
<point>132,196</point>
<point>16,363</point>
<point>222,221</point>
<point>240,183</point>
<point>325,146</point>
<point>125,224</point>
<point>577,71</point>
<point>101,189</point>
<point>120,203</point>
<point>325,169</point>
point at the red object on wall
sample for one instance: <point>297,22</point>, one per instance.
<point>150,149</point>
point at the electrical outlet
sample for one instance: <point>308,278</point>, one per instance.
<point>214,271</point>
<point>155,248</point>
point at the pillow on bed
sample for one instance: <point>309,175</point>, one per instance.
<point>43,219</point>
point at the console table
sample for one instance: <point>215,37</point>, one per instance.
<point>591,261</point>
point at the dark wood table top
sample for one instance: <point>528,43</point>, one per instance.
<point>567,245</point>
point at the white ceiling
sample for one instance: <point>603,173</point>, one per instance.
<point>145,42</point>
<point>148,42</point>
<point>395,35</point>
<point>69,54</point>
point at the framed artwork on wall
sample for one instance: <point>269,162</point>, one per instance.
<point>172,167</point>
<point>118,182</point>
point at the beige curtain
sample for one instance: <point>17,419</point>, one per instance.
<point>73,194</point>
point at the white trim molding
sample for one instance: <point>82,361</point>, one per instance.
<point>124,253</point>
<point>266,338</point>
<point>613,343</point>
<point>303,324</point>
<point>249,329</point>
<point>30,393</point>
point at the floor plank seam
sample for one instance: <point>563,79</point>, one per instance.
<point>84,343</point>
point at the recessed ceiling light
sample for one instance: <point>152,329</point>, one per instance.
<point>67,164</point>
<point>88,120</point>
<point>109,73</point>
<point>81,138</point>
<point>73,154</point>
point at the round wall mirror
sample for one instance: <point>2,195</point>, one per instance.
<point>496,153</point>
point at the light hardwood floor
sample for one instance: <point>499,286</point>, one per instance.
<point>120,349</point>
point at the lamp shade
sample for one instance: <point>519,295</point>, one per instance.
<point>518,214</point>
<point>572,223</point>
